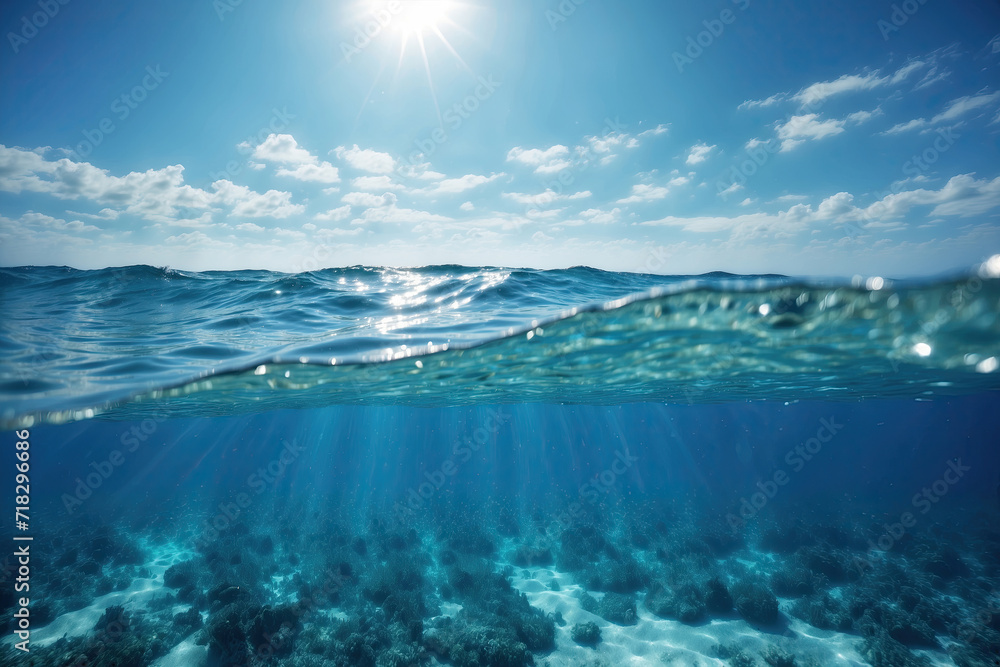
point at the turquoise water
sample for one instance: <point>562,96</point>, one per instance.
<point>487,466</point>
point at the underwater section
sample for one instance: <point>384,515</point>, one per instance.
<point>760,533</point>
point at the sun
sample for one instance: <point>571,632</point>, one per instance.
<point>415,17</point>
<point>422,29</point>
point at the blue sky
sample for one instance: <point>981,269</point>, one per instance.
<point>647,136</point>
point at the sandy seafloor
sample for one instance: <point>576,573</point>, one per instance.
<point>650,641</point>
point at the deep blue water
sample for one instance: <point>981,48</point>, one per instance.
<point>573,447</point>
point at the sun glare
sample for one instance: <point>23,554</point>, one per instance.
<point>421,28</point>
<point>414,17</point>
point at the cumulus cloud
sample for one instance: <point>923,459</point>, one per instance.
<point>42,221</point>
<point>336,214</point>
<point>250,204</point>
<point>375,183</point>
<point>600,217</point>
<point>367,199</point>
<point>962,196</point>
<point>298,163</point>
<point>460,184</point>
<point>280,148</point>
<point>324,172</point>
<point>366,159</point>
<point>699,153</point>
<point>643,192</point>
<point>544,198</point>
<point>158,195</point>
<point>548,161</point>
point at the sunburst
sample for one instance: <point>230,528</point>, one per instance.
<point>419,23</point>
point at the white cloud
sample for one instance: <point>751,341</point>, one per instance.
<point>819,92</point>
<point>324,172</point>
<point>544,198</point>
<point>609,142</point>
<point>799,129</point>
<point>250,204</point>
<point>962,196</point>
<point>249,227</point>
<point>198,239</point>
<point>860,117</point>
<point>467,206</point>
<point>159,195</point>
<point>335,214</point>
<point>656,131</point>
<point>42,221</point>
<point>281,148</point>
<point>301,164</point>
<point>955,109</point>
<point>460,184</point>
<point>366,159</point>
<point>375,183</point>
<point>393,214</point>
<point>538,214</point>
<point>734,188</point>
<point>103,214</point>
<point>546,161</point>
<point>642,192</point>
<point>699,153</point>
<point>367,199</point>
<point>335,232</point>
<point>288,233</point>
<point>599,217</point>
<point>758,104</point>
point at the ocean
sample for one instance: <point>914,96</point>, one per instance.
<point>467,466</point>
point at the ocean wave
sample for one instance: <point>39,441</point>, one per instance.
<point>121,343</point>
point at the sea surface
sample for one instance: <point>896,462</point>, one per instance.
<point>467,466</point>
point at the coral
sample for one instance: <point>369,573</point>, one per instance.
<point>227,642</point>
<point>188,620</point>
<point>717,597</point>
<point>614,607</point>
<point>587,634</point>
<point>734,656</point>
<point>881,650</point>
<point>685,602</point>
<point>823,612</point>
<point>796,582</point>
<point>182,575</point>
<point>775,657</point>
<point>755,603</point>
<point>472,645</point>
